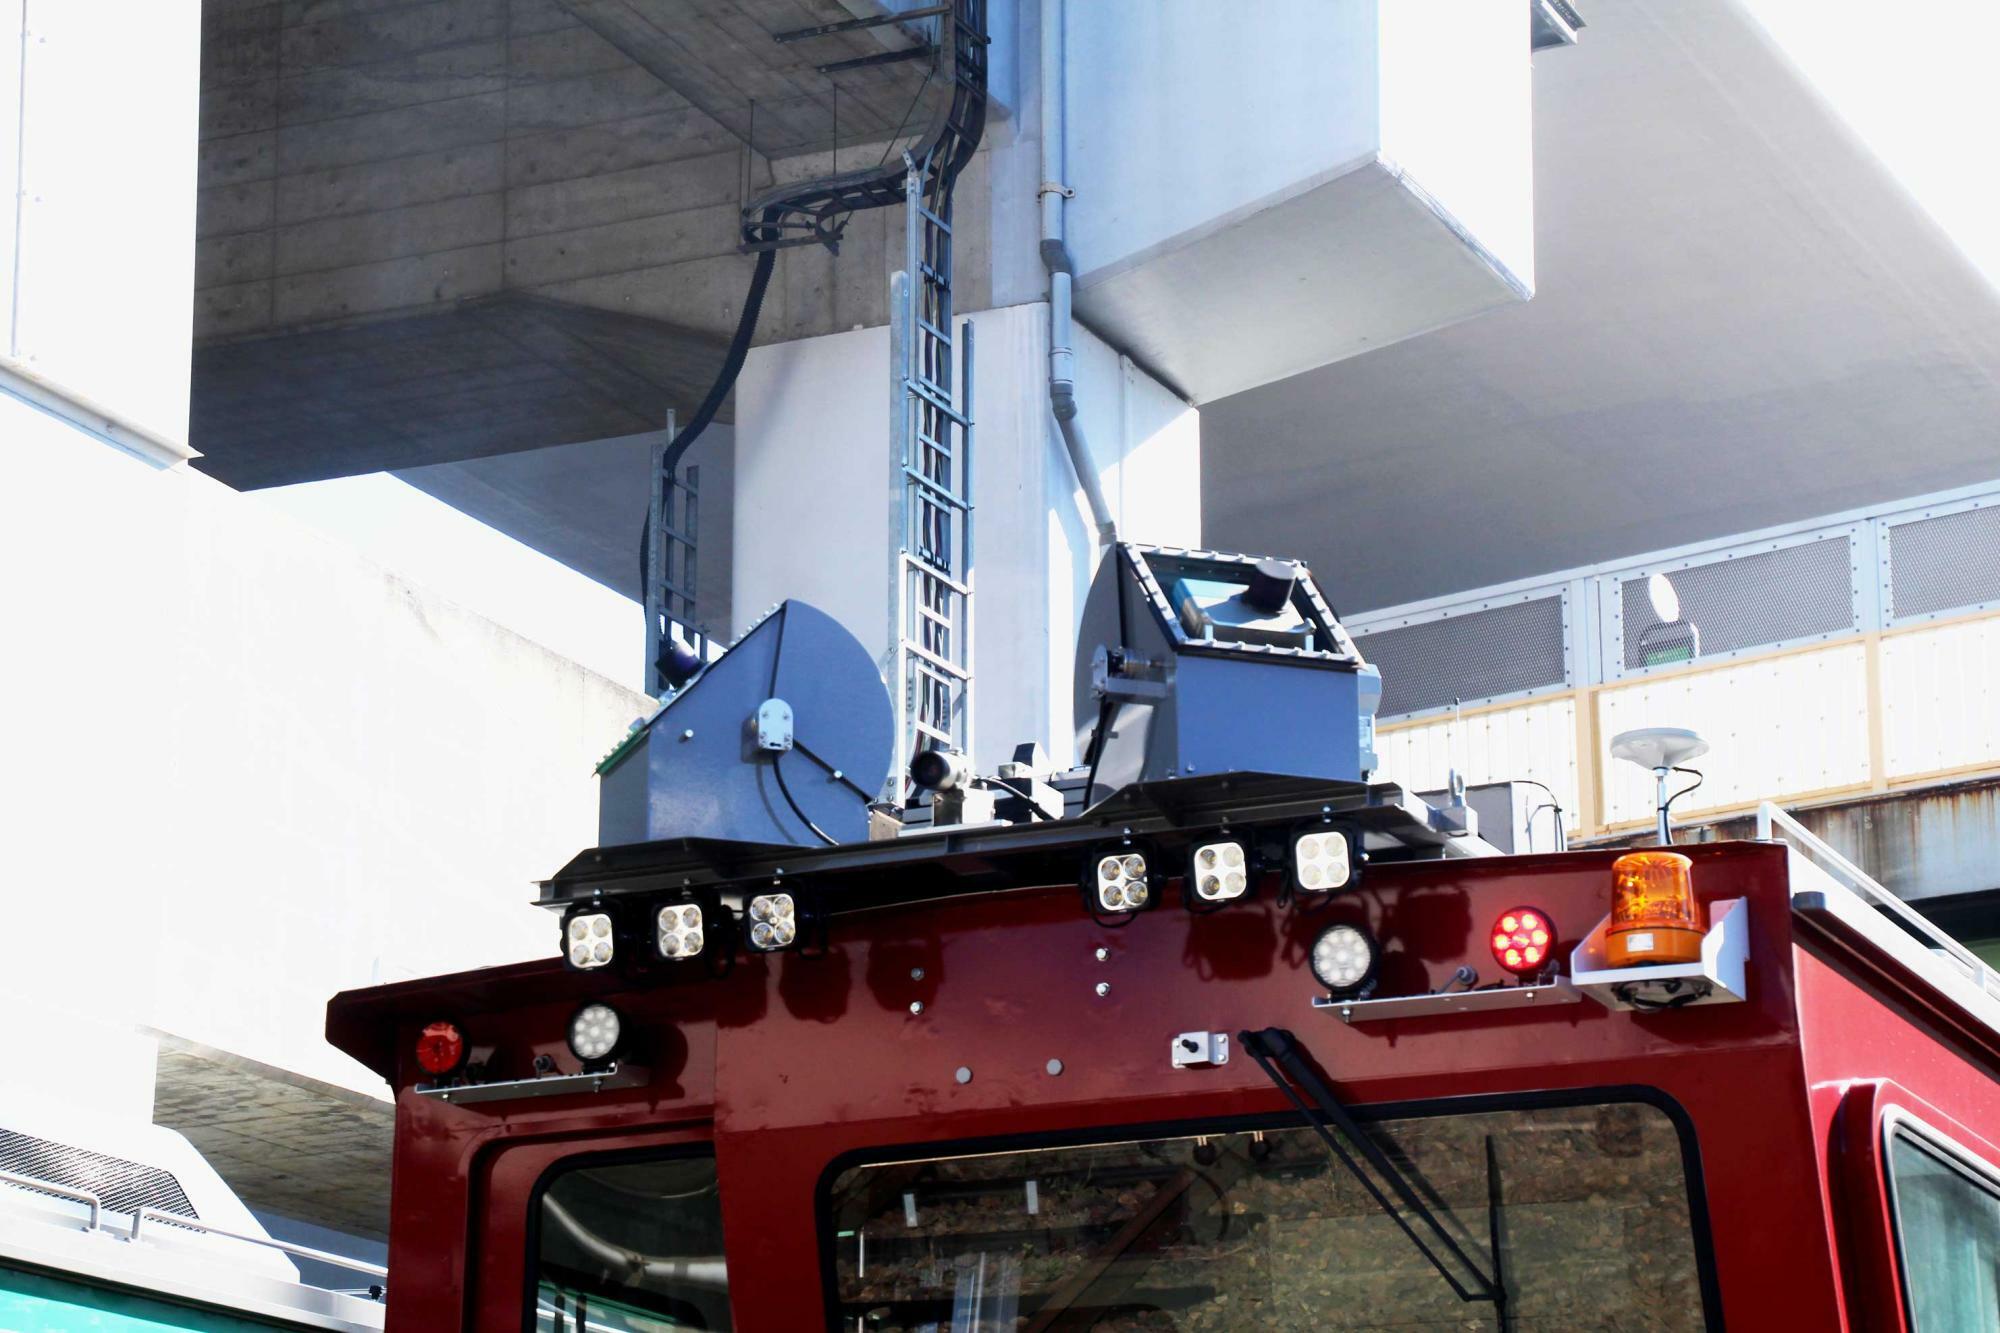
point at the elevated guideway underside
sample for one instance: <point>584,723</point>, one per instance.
<point>1742,318</point>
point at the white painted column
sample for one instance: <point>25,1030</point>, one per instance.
<point>99,115</point>
<point>812,517</point>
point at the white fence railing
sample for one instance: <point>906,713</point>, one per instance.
<point>1897,566</point>
<point>1897,683</point>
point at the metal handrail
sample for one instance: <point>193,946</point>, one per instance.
<point>1771,820</point>
<point>61,1192</point>
<point>296,1251</point>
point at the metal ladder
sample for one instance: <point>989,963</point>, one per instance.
<point>931,442</point>
<point>928,664</point>
<point>673,528</point>
<point>931,452</point>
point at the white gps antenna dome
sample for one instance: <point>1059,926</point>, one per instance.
<point>1661,749</point>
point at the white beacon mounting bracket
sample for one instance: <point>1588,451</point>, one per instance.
<point>1717,977</point>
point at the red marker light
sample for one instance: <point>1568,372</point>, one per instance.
<point>1522,939</point>
<point>440,1048</point>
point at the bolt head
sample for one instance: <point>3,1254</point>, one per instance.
<point>916,1006</point>
<point>1103,954</point>
<point>916,974</point>
<point>1103,988</point>
<point>964,1074</point>
<point>1054,1067</point>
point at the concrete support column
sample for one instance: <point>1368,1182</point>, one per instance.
<point>812,519</point>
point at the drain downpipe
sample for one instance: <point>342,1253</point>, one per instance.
<point>1055,258</point>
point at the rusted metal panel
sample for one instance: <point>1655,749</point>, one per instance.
<point>1924,843</point>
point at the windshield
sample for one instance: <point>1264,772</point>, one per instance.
<point>1265,1230</point>
<point>633,1247</point>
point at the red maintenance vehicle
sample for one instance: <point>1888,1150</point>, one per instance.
<point>1210,1034</point>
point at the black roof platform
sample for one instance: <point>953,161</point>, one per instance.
<point>1387,823</point>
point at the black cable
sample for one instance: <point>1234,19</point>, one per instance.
<point>902,124</point>
<point>1629,993</point>
<point>1034,811</point>
<point>778,769</point>
<point>838,776</point>
<point>1554,803</point>
<point>725,380</point>
<point>1546,805</point>
<point>1105,710</point>
<point>1098,736</point>
<point>1699,778</point>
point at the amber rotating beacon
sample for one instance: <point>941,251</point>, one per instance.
<point>1654,917</point>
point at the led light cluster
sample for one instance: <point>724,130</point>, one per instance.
<point>1344,958</point>
<point>774,922</point>
<point>588,940</point>
<point>1521,939</point>
<point>1121,882</point>
<point>440,1048</point>
<point>1321,861</point>
<point>594,1033</point>
<point>678,929</point>
<point>1221,871</point>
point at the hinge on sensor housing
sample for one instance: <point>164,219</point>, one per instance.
<point>1118,674</point>
<point>1200,1050</point>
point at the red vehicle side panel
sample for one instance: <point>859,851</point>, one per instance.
<point>793,1061</point>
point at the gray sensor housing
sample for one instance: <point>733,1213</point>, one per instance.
<point>1193,663</point>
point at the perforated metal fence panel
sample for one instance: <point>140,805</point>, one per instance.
<point>1479,655</point>
<point>122,1186</point>
<point>1944,563</point>
<point>1752,601</point>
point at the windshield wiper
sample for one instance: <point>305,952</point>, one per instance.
<point>1278,1054</point>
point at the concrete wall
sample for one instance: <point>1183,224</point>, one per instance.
<point>363,160</point>
<point>1294,184</point>
<point>1456,100</point>
<point>812,491</point>
<point>246,768</point>
<point>94,280</point>
<point>1234,110</point>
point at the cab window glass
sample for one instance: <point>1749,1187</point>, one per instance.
<point>1948,1237</point>
<point>631,1247</point>
<point>1266,1231</point>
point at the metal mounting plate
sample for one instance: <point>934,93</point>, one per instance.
<point>552,1085</point>
<point>1436,1005</point>
<point>774,725</point>
<point>1200,1050</point>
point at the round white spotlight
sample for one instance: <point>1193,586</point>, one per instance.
<point>1344,959</point>
<point>595,1031</point>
